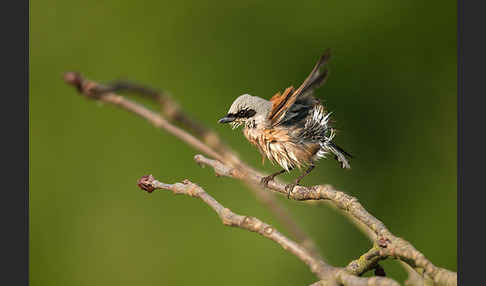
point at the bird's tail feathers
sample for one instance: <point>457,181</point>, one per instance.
<point>339,154</point>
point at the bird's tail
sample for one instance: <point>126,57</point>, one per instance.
<point>339,154</point>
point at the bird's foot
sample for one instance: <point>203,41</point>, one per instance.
<point>289,188</point>
<point>265,180</point>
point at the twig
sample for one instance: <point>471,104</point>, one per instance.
<point>322,270</point>
<point>365,262</point>
<point>389,245</point>
<point>212,147</point>
<point>149,184</point>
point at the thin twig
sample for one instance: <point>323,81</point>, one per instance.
<point>149,184</point>
<point>322,270</point>
<point>365,262</point>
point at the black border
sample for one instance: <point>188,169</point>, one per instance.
<point>14,204</point>
<point>460,27</point>
<point>471,142</point>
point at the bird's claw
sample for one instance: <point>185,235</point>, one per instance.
<point>289,188</point>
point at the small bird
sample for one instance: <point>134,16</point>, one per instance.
<point>292,129</point>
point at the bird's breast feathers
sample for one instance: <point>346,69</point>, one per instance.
<point>280,147</point>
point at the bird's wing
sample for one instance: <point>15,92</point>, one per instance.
<point>281,103</point>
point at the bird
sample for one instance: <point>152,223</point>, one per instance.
<point>292,129</point>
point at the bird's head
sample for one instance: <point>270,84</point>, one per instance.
<point>249,110</point>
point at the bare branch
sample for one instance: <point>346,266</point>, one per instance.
<point>321,269</point>
<point>329,274</point>
<point>389,245</point>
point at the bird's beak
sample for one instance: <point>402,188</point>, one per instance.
<point>227,119</point>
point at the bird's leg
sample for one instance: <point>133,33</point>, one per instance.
<point>267,179</point>
<point>290,187</point>
<point>311,167</point>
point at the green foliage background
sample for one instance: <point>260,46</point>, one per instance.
<point>392,89</point>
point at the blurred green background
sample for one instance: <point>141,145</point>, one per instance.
<point>392,89</point>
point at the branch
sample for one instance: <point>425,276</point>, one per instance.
<point>149,184</point>
<point>389,245</point>
<point>329,274</point>
<point>212,147</point>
